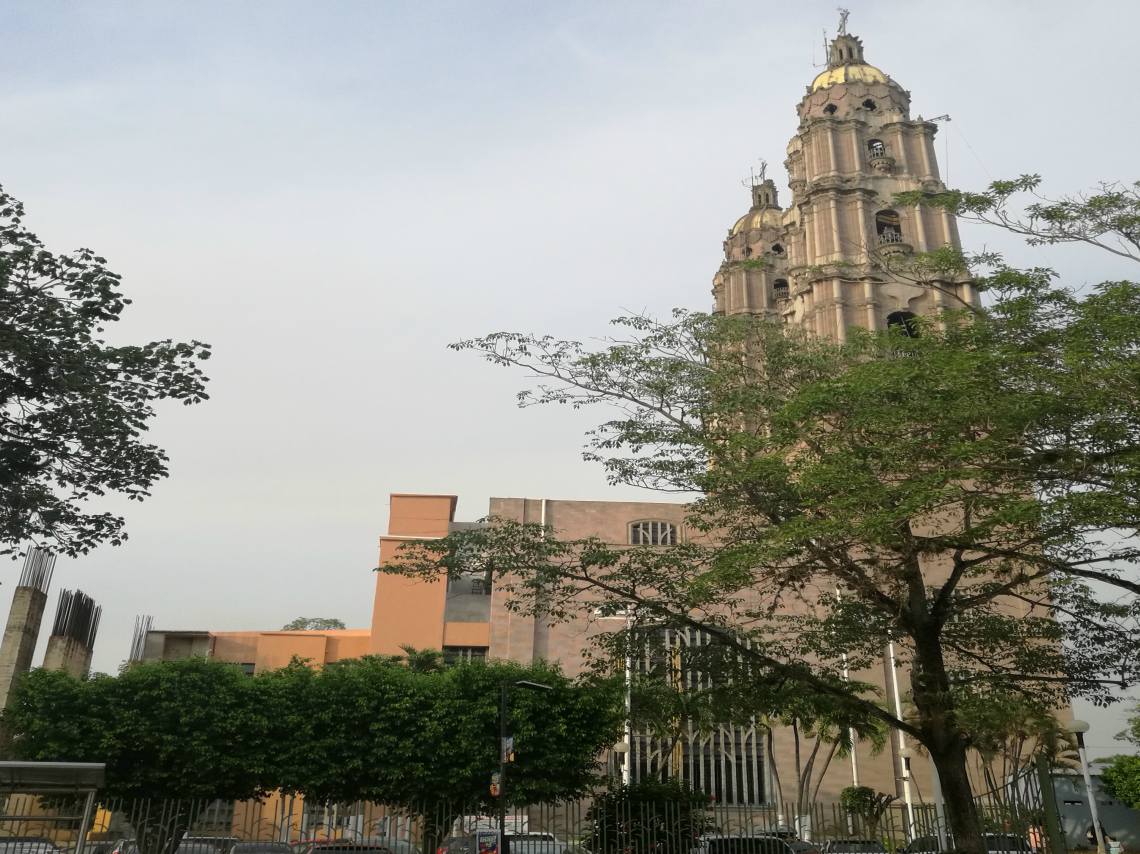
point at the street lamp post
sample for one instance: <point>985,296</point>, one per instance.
<point>522,683</point>
<point>1079,728</point>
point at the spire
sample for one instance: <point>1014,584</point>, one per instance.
<point>845,49</point>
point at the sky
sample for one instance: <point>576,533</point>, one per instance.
<point>330,193</point>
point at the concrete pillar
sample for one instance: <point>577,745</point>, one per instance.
<point>69,655</point>
<point>73,634</point>
<point>20,636</point>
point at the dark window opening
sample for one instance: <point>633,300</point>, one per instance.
<point>904,321</point>
<point>830,109</point>
<point>888,228</point>
<point>780,288</point>
<point>747,251</point>
<point>777,249</point>
<point>869,104</point>
<point>876,147</point>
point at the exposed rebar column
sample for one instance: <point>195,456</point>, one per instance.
<point>23,628</point>
<point>73,634</point>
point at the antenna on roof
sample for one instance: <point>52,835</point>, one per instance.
<point>825,63</point>
<point>753,179</point>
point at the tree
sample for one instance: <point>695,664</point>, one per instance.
<point>1121,775</point>
<point>952,493</point>
<point>694,688</point>
<point>1007,731</point>
<point>1107,218</point>
<point>187,732</point>
<point>427,741</point>
<point>865,803</point>
<point>648,817</point>
<point>308,624</point>
<point>73,408</point>
<point>372,729</point>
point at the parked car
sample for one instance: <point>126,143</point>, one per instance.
<point>996,843</point>
<point>524,842</point>
<point>206,845</point>
<point>28,845</point>
<point>728,843</point>
<point>853,846</point>
<point>801,847</point>
<point>349,846</point>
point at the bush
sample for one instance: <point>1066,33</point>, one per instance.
<point>650,817</point>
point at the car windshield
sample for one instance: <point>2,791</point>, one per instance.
<point>747,845</point>
<point>855,846</point>
<point>262,848</point>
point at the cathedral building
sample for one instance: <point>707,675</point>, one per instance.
<point>838,256</point>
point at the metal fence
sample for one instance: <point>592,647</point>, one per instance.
<point>33,825</point>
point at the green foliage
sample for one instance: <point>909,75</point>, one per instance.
<point>370,729</point>
<point>1121,775</point>
<point>649,817</point>
<point>866,804</point>
<point>191,730</point>
<point>373,729</point>
<point>754,263</point>
<point>1121,779</point>
<point>73,408</point>
<point>308,624</point>
<point>1108,217</point>
<point>957,494</point>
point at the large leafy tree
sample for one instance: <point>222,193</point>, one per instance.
<point>426,739</point>
<point>1121,774</point>
<point>373,729</point>
<point>184,732</point>
<point>307,624</point>
<point>967,495</point>
<point>73,407</point>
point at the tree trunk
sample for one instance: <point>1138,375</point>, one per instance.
<point>961,813</point>
<point>943,737</point>
<point>161,826</point>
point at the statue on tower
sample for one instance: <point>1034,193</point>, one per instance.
<point>843,14</point>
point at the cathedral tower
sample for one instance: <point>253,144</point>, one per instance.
<point>838,256</point>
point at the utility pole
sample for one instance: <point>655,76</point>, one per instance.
<point>503,689</point>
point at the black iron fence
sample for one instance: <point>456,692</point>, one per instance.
<point>284,824</point>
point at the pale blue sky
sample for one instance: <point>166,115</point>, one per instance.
<point>330,192</point>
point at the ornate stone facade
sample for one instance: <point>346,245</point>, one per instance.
<point>838,256</point>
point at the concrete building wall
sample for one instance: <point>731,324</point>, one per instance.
<point>410,611</point>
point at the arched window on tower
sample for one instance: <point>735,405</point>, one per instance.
<point>777,249</point>
<point>652,533</point>
<point>868,104</point>
<point>904,321</point>
<point>876,147</point>
<point>887,227</point>
<point>780,289</point>
<point>830,109</point>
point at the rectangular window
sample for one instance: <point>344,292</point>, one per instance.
<point>456,654</point>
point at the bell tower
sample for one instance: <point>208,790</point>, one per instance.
<point>840,255</point>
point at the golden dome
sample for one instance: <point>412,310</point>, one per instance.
<point>757,219</point>
<point>860,73</point>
